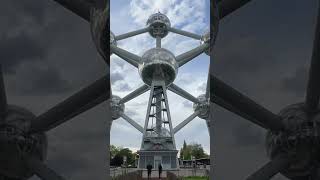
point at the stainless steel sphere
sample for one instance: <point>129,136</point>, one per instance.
<point>16,144</point>
<point>302,140</point>
<point>158,24</point>
<point>117,108</point>
<point>158,63</point>
<point>112,40</point>
<point>206,39</point>
<point>203,107</point>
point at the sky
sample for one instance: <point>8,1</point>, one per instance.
<point>47,54</point>
<point>129,15</point>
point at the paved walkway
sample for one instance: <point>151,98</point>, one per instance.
<point>154,174</point>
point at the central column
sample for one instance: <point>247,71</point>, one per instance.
<point>157,78</point>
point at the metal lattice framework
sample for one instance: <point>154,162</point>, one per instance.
<point>292,140</point>
<point>158,68</point>
<point>23,142</point>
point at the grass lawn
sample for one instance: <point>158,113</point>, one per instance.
<point>195,178</point>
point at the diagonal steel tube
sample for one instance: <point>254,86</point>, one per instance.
<point>144,88</point>
<point>185,122</point>
<point>74,105</point>
<point>179,91</point>
<point>3,96</point>
<point>42,171</point>
<point>232,109</point>
<point>226,7</point>
<point>185,33</point>
<point>127,56</point>
<point>313,87</point>
<point>81,8</point>
<point>131,34</point>
<point>132,122</point>
<point>188,56</point>
<point>259,114</point>
<point>272,168</point>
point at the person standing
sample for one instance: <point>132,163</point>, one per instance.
<point>160,170</point>
<point>149,168</point>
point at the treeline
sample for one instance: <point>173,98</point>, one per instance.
<point>193,149</point>
<point>117,154</point>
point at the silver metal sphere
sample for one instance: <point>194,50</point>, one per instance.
<point>112,40</point>
<point>206,39</point>
<point>158,63</point>
<point>16,143</point>
<point>117,108</point>
<point>203,107</point>
<point>302,140</point>
<point>159,24</point>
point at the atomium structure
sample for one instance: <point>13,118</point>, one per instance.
<point>292,139</point>
<point>158,68</point>
<point>23,142</point>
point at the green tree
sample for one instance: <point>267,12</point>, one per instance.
<point>128,153</point>
<point>194,149</point>
<point>197,151</point>
<point>117,154</point>
<point>114,150</point>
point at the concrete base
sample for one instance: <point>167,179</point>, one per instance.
<point>167,158</point>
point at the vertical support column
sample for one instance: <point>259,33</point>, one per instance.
<point>158,42</point>
<point>147,115</point>
<point>158,97</point>
<point>168,113</point>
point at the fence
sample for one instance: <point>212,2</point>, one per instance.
<point>136,174</point>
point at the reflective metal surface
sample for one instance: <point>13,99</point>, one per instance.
<point>116,108</point>
<point>158,63</point>
<point>15,143</point>
<point>302,140</point>
<point>159,24</point>
<point>203,107</point>
<point>206,39</point>
<point>112,41</point>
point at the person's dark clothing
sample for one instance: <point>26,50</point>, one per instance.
<point>149,168</point>
<point>160,170</point>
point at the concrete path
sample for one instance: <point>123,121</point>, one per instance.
<point>154,174</point>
